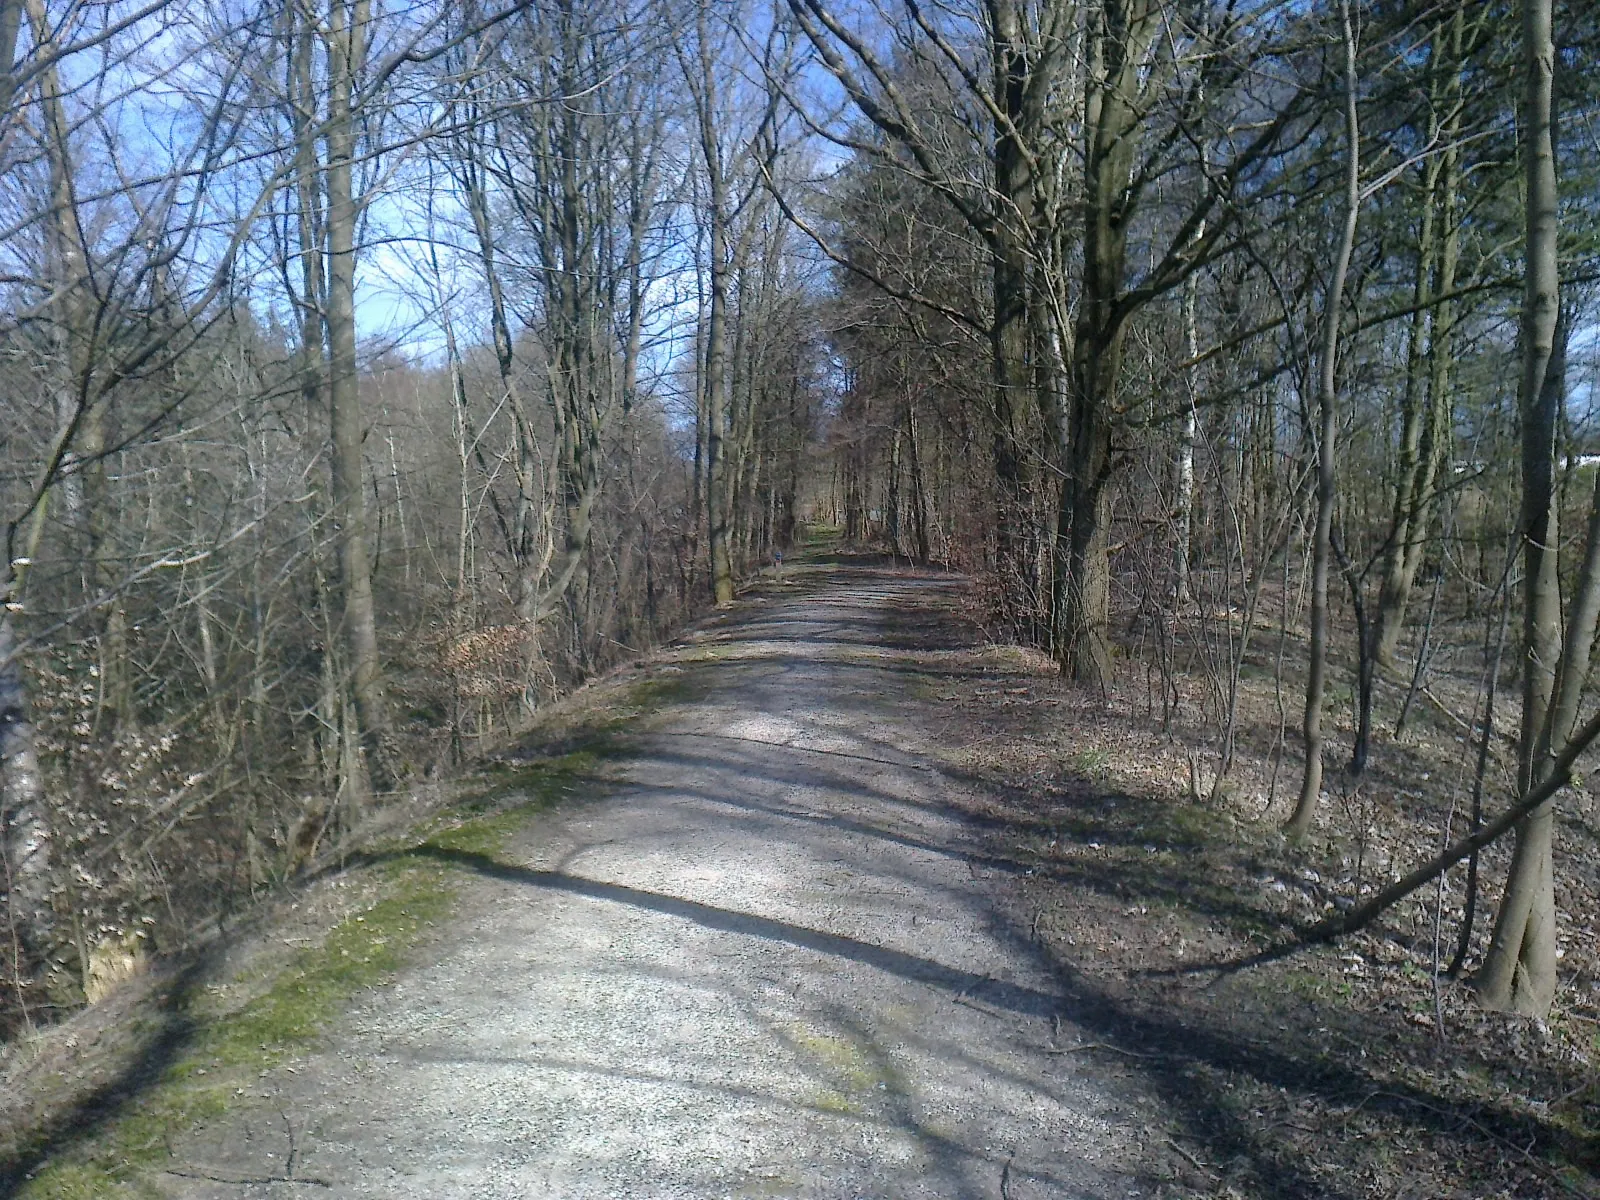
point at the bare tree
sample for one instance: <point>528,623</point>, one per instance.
<point>1520,971</point>
<point>1328,409</point>
<point>736,148</point>
<point>1426,435</point>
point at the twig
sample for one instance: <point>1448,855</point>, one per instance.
<point>288,1132</point>
<point>1101,1046</point>
<point>1191,1159</point>
<point>976,1007</point>
<point>1428,694</point>
<point>218,1177</point>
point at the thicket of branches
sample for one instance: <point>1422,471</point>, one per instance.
<point>373,374</point>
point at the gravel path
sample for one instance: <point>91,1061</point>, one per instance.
<point>765,966</point>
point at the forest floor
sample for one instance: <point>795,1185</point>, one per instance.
<point>831,899</point>
<point>1356,1070</point>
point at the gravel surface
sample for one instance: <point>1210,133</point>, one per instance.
<point>769,964</point>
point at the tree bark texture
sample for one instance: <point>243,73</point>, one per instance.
<point>1009,341</point>
<point>1112,113</point>
<point>718,501</point>
<point>346,42</point>
<point>1520,971</point>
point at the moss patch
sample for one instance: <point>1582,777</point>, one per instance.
<point>849,1072</point>
<point>508,793</point>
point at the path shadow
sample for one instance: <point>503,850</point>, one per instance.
<point>1011,997</point>
<point>165,1040</point>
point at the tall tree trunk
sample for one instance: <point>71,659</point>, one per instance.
<point>718,502</point>
<point>892,507</point>
<point>1426,410</point>
<point>346,42</point>
<point>1011,375</point>
<point>698,518</point>
<point>1112,112</point>
<point>92,501</point>
<point>1395,589</point>
<point>718,498</point>
<point>1328,401</point>
<point>24,823</point>
<point>1085,598</point>
<point>919,494</point>
<point>471,174</point>
<point>577,406</point>
<point>1183,491</point>
<point>1520,971</point>
<point>789,502</point>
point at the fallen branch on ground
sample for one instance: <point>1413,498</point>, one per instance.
<point>1340,925</point>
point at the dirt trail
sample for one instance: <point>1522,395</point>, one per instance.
<point>768,965</point>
